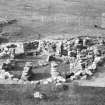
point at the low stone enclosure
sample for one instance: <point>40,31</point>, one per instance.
<point>83,54</point>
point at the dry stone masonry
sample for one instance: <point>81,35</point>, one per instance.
<point>83,54</point>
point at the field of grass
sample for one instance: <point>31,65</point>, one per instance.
<point>73,17</point>
<point>71,95</point>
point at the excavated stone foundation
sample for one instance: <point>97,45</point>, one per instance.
<point>83,54</point>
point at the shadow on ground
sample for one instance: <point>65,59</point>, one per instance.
<point>39,76</point>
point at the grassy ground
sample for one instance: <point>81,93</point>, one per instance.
<point>73,95</point>
<point>37,18</point>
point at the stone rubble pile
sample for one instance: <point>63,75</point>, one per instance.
<point>56,76</point>
<point>37,94</point>
<point>41,63</point>
<point>27,72</point>
<point>4,73</point>
<point>9,65</point>
<point>57,47</point>
<point>10,50</point>
<point>83,54</point>
<point>85,59</point>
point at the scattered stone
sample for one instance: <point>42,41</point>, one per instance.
<point>47,81</point>
<point>59,79</point>
<point>84,77</point>
<point>58,84</point>
<point>54,72</point>
<point>15,79</point>
<point>35,82</point>
<point>83,53</point>
<point>38,95</point>
<point>42,63</point>
<point>27,72</point>
<point>88,72</point>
